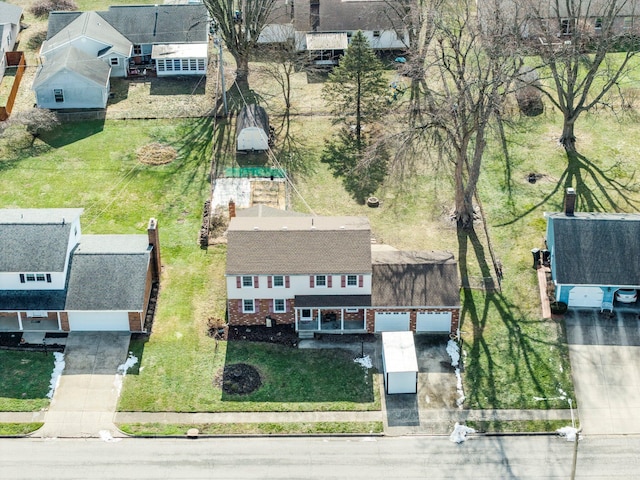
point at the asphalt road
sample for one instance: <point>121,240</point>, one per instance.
<point>322,458</point>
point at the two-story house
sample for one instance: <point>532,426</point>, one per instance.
<point>320,274</point>
<point>54,278</point>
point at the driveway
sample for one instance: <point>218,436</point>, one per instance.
<point>605,353</point>
<point>85,401</point>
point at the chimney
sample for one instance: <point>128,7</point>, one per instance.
<point>570,202</point>
<point>232,208</point>
<point>154,241</point>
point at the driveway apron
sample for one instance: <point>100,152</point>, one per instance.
<point>605,353</point>
<point>85,401</point>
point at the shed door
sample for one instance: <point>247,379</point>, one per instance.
<point>586,297</point>
<point>392,322</point>
<point>99,321</point>
<point>436,322</point>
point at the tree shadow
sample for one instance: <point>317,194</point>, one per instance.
<point>597,188</point>
<point>535,380</point>
<point>72,132</point>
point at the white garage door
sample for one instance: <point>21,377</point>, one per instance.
<point>392,321</point>
<point>433,322</point>
<point>586,297</point>
<point>98,321</point>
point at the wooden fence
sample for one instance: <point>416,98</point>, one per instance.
<point>14,59</point>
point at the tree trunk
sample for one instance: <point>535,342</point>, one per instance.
<point>464,202</point>
<point>242,69</point>
<point>568,138</point>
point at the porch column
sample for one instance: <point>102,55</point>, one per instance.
<point>19,320</point>
<point>295,318</point>
<point>58,317</point>
<point>342,319</point>
<point>319,320</point>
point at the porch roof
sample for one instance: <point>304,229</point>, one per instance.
<point>179,50</point>
<point>333,301</point>
<point>50,300</point>
<point>327,41</point>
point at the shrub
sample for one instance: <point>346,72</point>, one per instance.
<point>42,8</point>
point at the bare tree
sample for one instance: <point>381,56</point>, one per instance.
<point>239,23</point>
<point>573,39</point>
<point>469,69</point>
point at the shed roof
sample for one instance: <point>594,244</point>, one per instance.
<point>35,240</point>
<point>298,245</point>
<point>399,352</point>
<point>108,272</point>
<point>596,248</point>
<point>71,59</point>
<point>252,116</point>
<point>403,278</point>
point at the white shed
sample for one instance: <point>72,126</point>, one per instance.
<point>399,362</point>
<point>252,128</point>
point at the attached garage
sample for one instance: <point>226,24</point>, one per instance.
<point>399,362</point>
<point>98,321</point>
<point>588,297</point>
<point>433,322</point>
<point>392,322</point>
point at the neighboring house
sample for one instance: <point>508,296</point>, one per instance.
<point>324,27</point>
<point>53,278</point>
<point>320,274</point>
<point>10,16</point>
<point>141,40</point>
<point>592,255</point>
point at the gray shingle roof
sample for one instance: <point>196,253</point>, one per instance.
<point>69,58</point>
<point>22,300</point>
<point>10,13</point>
<point>596,248</point>
<point>336,301</point>
<point>403,278</point>
<point>160,23</point>
<point>35,240</point>
<point>261,210</point>
<point>90,25</point>
<point>298,245</point>
<point>108,272</point>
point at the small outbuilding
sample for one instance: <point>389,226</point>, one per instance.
<point>399,362</point>
<point>252,129</point>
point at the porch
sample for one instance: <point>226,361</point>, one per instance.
<point>16,322</point>
<point>331,314</point>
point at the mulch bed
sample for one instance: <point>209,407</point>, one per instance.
<point>280,334</point>
<point>239,379</point>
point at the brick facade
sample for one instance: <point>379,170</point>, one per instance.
<point>264,307</point>
<point>64,321</point>
<point>135,321</point>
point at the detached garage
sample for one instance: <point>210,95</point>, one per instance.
<point>399,362</point>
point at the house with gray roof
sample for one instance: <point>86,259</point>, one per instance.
<point>137,40</point>
<point>592,255</point>
<point>10,17</point>
<point>53,278</point>
<point>322,275</point>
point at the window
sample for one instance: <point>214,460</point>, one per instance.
<point>376,34</point>
<point>114,61</point>
<point>351,310</point>
<point>31,277</point>
<point>185,64</point>
<point>279,305</point>
<point>598,24</point>
<point>565,26</point>
<point>193,64</point>
<point>58,95</point>
<point>628,23</point>
<point>247,281</point>
<point>278,280</point>
<point>201,64</point>
<point>161,65</point>
<point>40,277</point>
<point>137,50</point>
<point>321,280</point>
<point>306,313</point>
<point>176,65</point>
<point>248,306</point>
<point>352,280</point>
<point>169,66</point>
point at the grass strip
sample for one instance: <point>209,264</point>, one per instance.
<point>517,426</point>
<point>19,428</point>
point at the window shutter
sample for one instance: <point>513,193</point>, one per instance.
<point>343,281</point>
<point>286,305</point>
<point>255,282</point>
<point>256,306</point>
<point>271,306</point>
<point>286,281</point>
<point>269,281</point>
<point>239,306</point>
<point>22,278</point>
<point>238,282</point>
<point>48,278</point>
<point>311,281</point>
<point>329,277</point>
<point>360,280</point>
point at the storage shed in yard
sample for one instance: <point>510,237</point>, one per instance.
<point>399,362</point>
<point>252,129</point>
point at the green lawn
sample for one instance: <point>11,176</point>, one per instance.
<point>24,380</point>
<point>19,428</point>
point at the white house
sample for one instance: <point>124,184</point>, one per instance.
<point>10,16</point>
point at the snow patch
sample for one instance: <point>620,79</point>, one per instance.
<point>122,372</point>
<point>453,350</point>
<point>364,361</point>
<point>105,436</point>
<point>571,433</point>
<point>460,433</point>
<point>58,367</point>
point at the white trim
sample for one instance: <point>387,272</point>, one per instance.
<point>284,305</point>
<point>253,303</point>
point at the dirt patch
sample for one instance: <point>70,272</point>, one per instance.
<point>239,379</point>
<point>280,334</point>
<point>156,154</point>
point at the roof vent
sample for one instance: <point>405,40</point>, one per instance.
<point>341,227</point>
<point>256,228</point>
<point>284,227</point>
